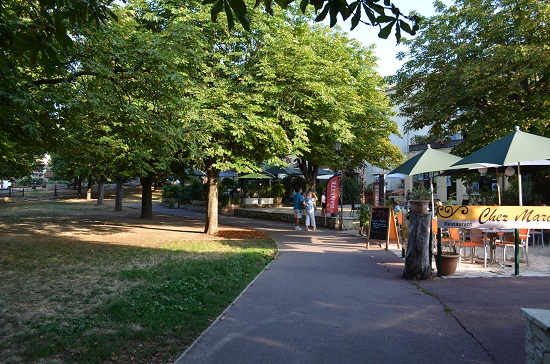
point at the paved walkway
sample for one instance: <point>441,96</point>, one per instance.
<point>326,299</point>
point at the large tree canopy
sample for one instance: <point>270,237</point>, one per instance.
<point>480,67</point>
<point>38,40</point>
<point>324,88</point>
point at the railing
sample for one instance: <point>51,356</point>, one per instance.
<point>435,145</point>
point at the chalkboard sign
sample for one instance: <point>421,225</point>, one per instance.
<point>382,226</point>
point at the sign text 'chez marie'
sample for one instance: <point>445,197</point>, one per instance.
<point>500,217</point>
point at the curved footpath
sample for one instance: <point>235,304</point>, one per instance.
<point>326,299</point>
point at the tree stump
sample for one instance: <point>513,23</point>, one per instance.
<point>417,256</point>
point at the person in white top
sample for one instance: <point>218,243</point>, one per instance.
<point>310,211</point>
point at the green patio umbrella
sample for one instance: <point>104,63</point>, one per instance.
<point>429,161</point>
<point>515,149</point>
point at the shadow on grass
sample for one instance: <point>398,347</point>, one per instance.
<point>93,303</point>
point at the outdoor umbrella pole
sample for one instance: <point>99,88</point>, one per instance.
<point>519,187</point>
<point>432,193</point>
<point>498,187</point>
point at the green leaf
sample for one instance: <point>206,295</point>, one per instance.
<point>268,7</point>
<point>384,19</point>
<point>216,9</point>
<point>406,27</point>
<point>323,14</point>
<point>397,33</point>
<point>303,5</point>
<point>230,18</point>
<point>395,10</point>
<point>387,2</point>
<point>379,9</point>
<point>317,4</point>
<point>239,8</point>
<point>385,32</point>
<point>370,14</point>
<point>206,2</point>
<point>356,18</point>
<point>334,10</point>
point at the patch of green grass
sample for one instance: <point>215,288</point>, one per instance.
<point>168,306</point>
<point>423,290</point>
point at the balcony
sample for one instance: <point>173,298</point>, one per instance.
<point>435,145</point>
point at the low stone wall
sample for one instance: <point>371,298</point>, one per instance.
<point>331,222</point>
<point>537,339</point>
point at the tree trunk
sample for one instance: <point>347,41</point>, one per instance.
<point>100,191</point>
<point>310,173</point>
<point>147,197</point>
<point>211,227</point>
<point>417,257</point>
<point>118,194</point>
<point>79,183</point>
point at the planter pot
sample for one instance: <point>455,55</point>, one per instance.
<point>448,264</point>
<point>277,200</point>
<point>266,201</point>
<point>247,201</point>
<point>419,206</point>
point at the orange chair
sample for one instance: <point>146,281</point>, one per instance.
<point>473,239</point>
<point>509,240</point>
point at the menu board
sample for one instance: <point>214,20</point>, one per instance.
<point>382,226</point>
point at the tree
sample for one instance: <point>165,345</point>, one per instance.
<point>37,41</point>
<point>228,125</point>
<point>128,109</point>
<point>479,67</point>
<point>324,88</point>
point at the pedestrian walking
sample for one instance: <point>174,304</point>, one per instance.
<point>297,200</point>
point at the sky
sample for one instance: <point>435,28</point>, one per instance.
<point>387,49</point>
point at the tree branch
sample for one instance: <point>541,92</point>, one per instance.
<point>70,78</point>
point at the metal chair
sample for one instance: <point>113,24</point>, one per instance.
<point>473,239</point>
<point>509,240</point>
<point>537,233</point>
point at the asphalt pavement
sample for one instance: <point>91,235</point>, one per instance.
<point>327,299</point>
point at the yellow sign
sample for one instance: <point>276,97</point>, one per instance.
<point>507,217</point>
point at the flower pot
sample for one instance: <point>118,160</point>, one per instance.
<point>419,206</point>
<point>448,264</point>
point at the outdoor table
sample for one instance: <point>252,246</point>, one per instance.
<point>490,236</point>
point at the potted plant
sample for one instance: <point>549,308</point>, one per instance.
<point>420,199</point>
<point>278,192</point>
<point>450,253</point>
<point>364,218</point>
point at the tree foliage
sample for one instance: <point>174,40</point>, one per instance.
<point>384,15</point>
<point>480,67</point>
<point>324,88</point>
<point>37,39</point>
